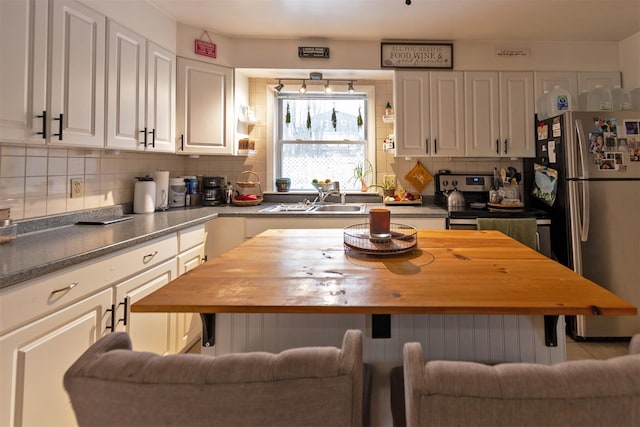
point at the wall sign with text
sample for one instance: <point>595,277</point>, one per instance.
<point>416,55</point>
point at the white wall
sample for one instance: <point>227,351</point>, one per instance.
<point>140,17</point>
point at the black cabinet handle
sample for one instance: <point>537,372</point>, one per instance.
<point>60,125</point>
<point>144,139</point>
<point>125,303</point>
<point>498,146</point>
<point>182,142</point>
<point>505,146</point>
<point>153,137</point>
<point>44,125</point>
<point>112,321</point>
<point>435,145</point>
<point>426,146</point>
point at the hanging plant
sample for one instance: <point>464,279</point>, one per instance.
<point>287,117</point>
<point>309,120</point>
<point>360,121</point>
<point>334,120</point>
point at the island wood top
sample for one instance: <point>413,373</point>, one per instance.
<point>452,271</point>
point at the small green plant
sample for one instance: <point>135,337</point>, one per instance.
<point>360,174</point>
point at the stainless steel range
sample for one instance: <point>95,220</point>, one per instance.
<point>475,189</point>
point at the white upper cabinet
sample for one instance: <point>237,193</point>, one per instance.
<point>429,113</point>
<point>482,113</point>
<point>204,109</point>
<point>588,80</point>
<point>546,81</point>
<point>141,93</point>
<point>77,75</point>
<point>126,89</point>
<point>23,67</point>
<point>446,114</point>
<point>499,114</point>
<point>411,100</point>
<point>161,98</point>
<point>517,114</point>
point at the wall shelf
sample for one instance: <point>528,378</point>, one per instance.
<point>388,119</point>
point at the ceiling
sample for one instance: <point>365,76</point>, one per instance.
<point>453,20</point>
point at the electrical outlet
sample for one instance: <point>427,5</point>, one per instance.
<point>77,188</point>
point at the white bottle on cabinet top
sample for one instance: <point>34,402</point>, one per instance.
<point>635,98</point>
<point>599,99</point>
<point>541,106</point>
<point>558,101</point>
<point>621,99</point>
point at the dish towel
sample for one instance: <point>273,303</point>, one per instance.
<point>524,230</point>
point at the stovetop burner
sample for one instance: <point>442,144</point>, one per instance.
<point>475,188</point>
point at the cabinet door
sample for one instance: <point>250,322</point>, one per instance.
<point>77,75</point>
<point>35,357</point>
<point>446,96</point>
<point>161,99</point>
<point>126,89</point>
<point>148,331</point>
<point>482,114</point>
<point>205,99</point>
<point>547,80</point>
<point>411,100</point>
<point>23,49</point>
<point>516,114</point>
<point>589,80</point>
<point>188,326</point>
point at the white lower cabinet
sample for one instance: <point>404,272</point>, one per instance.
<point>48,322</point>
<point>187,327</point>
<point>35,357</point>
<point>148,331</point>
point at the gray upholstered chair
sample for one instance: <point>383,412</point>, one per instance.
<point>314,386</point>
<point>576,393</point>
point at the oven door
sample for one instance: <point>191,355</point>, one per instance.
<point>462,224</point>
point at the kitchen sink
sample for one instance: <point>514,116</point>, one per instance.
<point>302,208</point>
<point>283,207</point>
<point>339,208</point>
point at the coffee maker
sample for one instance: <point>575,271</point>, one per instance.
<point>213,190</point>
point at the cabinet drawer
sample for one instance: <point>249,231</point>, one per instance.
<point>27,301</point>
<point>190,237</point>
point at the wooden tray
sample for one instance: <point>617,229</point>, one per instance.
<point>518,205</point>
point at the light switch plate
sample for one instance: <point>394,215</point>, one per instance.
<point>77,187</point>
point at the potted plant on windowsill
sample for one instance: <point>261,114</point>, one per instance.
<point>361,173</point>
<point>388,188</point>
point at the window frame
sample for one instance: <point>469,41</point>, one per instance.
<point>274,146</point>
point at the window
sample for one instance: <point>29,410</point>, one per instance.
<point>320,136</point>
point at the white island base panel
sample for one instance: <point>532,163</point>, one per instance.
<point>483,338</point>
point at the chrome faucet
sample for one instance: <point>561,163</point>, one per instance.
<point>335,189</point>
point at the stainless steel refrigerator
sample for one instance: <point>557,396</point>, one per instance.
<point>586,174</point>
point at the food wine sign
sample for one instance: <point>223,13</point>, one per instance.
<point>416,55</point>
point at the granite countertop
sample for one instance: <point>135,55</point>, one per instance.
<point>34,254</point>
<point>49,244</point>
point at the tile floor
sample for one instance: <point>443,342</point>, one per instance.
<point>595,350</point>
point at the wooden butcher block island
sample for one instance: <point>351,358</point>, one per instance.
<point>464,295</point>
<point>450,272</point>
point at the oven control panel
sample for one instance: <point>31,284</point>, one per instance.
<point>463,182</point>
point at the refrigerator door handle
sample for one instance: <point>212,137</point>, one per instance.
<point>585,214</point>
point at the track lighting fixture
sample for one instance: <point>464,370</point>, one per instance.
<point>328,84</point>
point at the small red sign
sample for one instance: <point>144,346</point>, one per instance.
<point>205,48</point>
